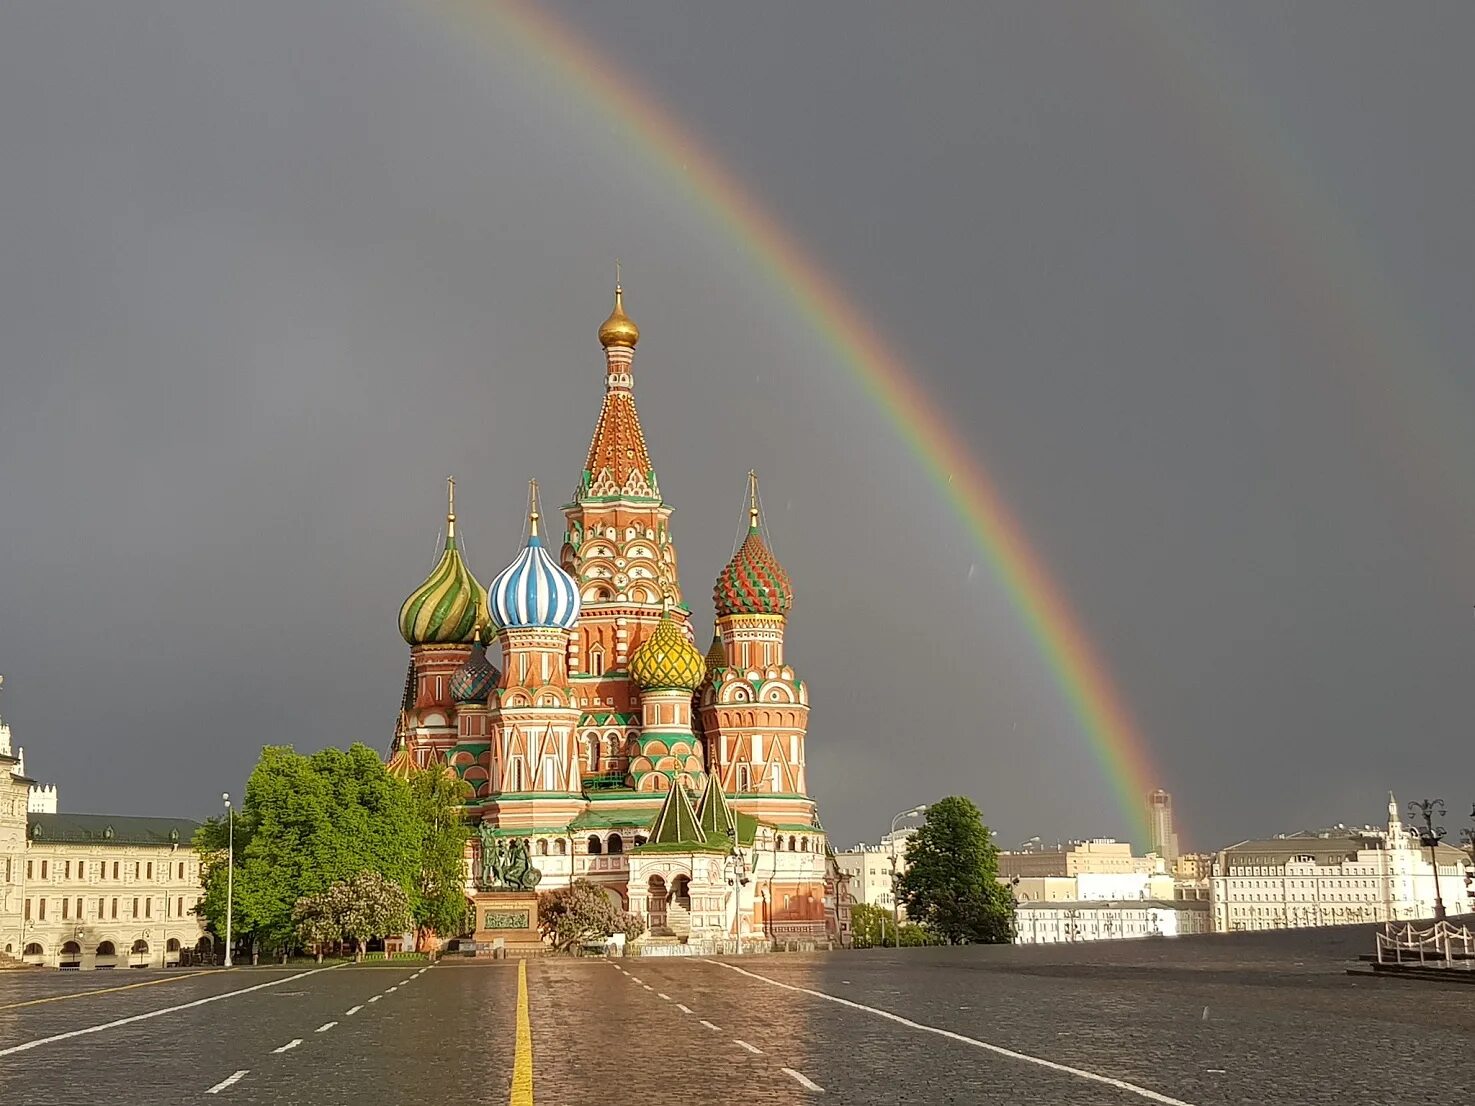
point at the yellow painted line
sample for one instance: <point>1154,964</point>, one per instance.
<point>522,1062</point>
<point>109,990</point>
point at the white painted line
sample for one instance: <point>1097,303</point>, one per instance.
<point>683,1009</point>
<point>647,986</point>
<point>392,989</point>
<point>634,979</point>
<point>402,982</point>
<point>713,1028</point>
<point>227,1081</point>
<point>289,1046</point>
<point>26,1046</point>
<point>664,996</point>
<point>754,1049</point>
<point>375,998</point>
<point>998,1050</point>
<point>325,1027</point>
<point>803,1080</point>
<point>351,1011</point>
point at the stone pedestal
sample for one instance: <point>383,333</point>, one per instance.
<point>512,917</point>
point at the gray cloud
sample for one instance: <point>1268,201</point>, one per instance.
<point>269,272</point>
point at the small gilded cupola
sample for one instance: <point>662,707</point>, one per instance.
<point>449,605</point>
<point>753,583</point>
<point>666,661</point>
<point>619,329</point>
<point>533,591</point>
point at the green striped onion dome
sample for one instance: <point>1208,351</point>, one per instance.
<point>666,661</point>
<point>447,608</point>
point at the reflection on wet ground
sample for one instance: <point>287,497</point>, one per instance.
<point>1269,1018</point>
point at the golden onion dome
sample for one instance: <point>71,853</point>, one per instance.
<point>401,764</point>
<point>447,608</point>
<point>619,329</point>
<point>666,661</point>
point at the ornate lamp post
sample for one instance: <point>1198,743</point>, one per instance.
<point>1429,837</point>
<point>895,902</point>
<point>737,878</point>
<point>230,871</point>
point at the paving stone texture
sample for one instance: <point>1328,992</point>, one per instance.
<point>1263,1018</point>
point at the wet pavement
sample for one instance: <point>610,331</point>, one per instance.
<point>1244,1019</point>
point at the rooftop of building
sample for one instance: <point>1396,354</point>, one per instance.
<point>109,829</point>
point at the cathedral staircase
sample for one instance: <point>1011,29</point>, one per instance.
<point>8,962</point>
<point>678,921</point>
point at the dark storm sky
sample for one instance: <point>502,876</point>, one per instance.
<point>1195,284</point>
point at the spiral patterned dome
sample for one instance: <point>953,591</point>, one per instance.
<point>448,606</point>
<point>666,661</point>
<point>753,581</point>
<point>473,681</point>
<point>533,590</point>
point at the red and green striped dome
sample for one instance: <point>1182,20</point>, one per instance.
<point>753,581</point>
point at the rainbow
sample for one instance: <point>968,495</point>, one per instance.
<point>961,481</point>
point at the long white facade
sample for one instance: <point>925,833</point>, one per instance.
<point>1320,880</point>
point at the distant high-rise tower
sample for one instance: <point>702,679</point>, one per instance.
<point>1160,821</point>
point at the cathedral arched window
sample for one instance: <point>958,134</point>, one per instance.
<point>616,844</point>
<point>596,660</point>
<point>595,845</point>
<point>542,846</point>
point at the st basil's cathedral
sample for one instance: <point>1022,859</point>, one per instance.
<point>598,735</point>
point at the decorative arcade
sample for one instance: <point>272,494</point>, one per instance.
<point>601,744</point>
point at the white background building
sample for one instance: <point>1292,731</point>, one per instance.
<point>1324,879</point>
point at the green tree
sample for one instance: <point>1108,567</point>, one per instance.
<point>581,914</point>
<point>440,888</point>
<point>951,883</point>
<point>870,926</point>
<point>305,823</point>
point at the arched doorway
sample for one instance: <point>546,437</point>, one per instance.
<point>107,955</point>
<point>138,955</point>
<point>655,906</point>
<point>33,953</point>
<point>71,956</point>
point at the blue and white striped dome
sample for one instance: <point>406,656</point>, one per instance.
<point>533,590</point>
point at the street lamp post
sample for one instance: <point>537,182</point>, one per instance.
<point>895,903</point>
<point>737,878</point>
<point>230,871</point>
<point>1429,837</point>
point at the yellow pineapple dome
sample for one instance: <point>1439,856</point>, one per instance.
<point>666,661</point>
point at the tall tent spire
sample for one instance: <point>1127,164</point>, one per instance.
<point>618,465</point>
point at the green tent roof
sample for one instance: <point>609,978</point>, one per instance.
<point>716,819</point>
<point>676,825</point>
